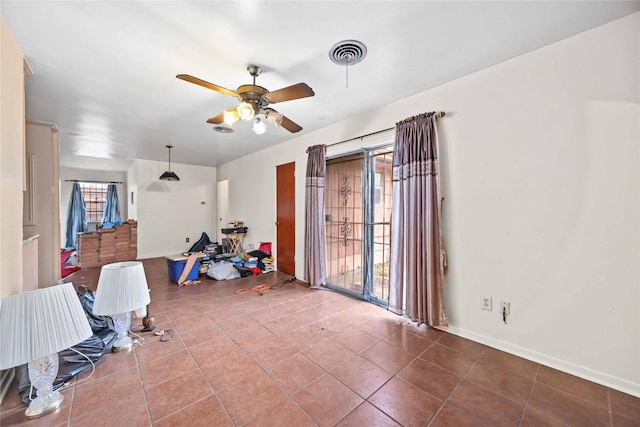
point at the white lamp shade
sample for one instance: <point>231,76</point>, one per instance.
<point>273,116</point>
<point>122,287</point>
<point>245,111</point>
<point>259,126</point>
<point>230,116</point>
<point>38,323</point>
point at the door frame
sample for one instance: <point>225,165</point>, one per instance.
<point>222,208</point>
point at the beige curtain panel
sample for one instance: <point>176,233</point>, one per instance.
<point>417,254</point>
<point>315,234</point>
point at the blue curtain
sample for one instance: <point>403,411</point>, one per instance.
<point>112,207</point>
<point>76,217</point>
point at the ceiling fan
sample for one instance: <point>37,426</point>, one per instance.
<point>254,100</point>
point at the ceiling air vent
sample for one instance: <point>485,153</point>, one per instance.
<point>347,52</point>
<point>223,129</point>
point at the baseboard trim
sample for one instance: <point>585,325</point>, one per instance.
<point>552,362</point>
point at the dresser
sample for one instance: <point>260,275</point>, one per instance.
<point>108,245</point>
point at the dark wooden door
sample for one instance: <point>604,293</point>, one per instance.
<point>285,218</point>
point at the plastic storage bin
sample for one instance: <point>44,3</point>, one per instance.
<point>175,270</point>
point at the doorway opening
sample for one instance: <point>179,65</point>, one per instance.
<point>222,203</point>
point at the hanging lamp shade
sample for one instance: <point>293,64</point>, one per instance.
<point>169,175</point>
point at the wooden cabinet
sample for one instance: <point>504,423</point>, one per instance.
<point>108,245</point>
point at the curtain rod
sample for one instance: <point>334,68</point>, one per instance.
<point>93,182</point>
<point>439,114</point>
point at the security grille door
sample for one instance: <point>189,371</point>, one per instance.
<point>357,214</point>
<point>344,216</point>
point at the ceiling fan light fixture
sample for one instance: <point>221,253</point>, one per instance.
<point>274,117</point>
<point>259,127</point>
<point>168,175</point>
<point>245,111</point>
<point>253,98</point>
<point>231,116</point>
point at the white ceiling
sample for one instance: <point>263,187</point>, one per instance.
<point>105,71</point>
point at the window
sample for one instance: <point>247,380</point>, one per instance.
<point>95,197</point>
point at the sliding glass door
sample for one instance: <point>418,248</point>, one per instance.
<point>357,213</point>
<point>379,222</point>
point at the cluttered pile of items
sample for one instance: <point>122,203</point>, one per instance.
<point>243,264</point>
<point>221,261</point>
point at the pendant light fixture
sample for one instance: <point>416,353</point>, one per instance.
<point>168,175</point>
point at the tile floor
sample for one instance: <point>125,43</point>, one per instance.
<point>298,357</point>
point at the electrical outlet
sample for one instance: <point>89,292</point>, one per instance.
<point>505,307</point>
<point>487,303</point>
<point>186,239</point>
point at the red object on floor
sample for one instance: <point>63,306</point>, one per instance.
<point>66,268</point>
<point>265,247</point>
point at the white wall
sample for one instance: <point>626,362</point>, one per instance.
<point>89,175</point>
<point>169,212</point>
<point>44,145</point>
<point>252,193</point>
<point>543,198</point>
<point>540,173</point>
<point>11,162</point>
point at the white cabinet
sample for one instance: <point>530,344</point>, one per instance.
<point>30,263</point>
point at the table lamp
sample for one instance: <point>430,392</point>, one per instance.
<point>34,327</point>
<point>122,288</point>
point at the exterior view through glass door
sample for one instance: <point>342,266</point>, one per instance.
<point>357,214</point>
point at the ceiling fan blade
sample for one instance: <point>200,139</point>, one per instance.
<point>290,125</point>
<point>217,119</point>
<point>200,82</point>
<point>297,91</point>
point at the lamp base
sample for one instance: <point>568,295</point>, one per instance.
<point>122,344</point>
<point>42,373</point>
<point>121,323</point>
<point>53,403</point>
<point>122,349</point>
